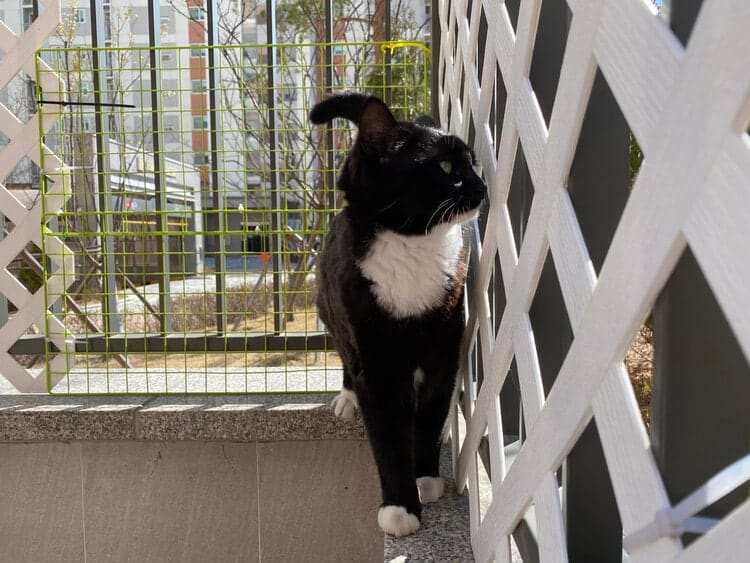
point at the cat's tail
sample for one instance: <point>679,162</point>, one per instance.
<point>348,105</point>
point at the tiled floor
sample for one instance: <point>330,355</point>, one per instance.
<point>189,501</point>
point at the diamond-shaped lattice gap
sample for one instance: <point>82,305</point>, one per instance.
<point>462,89</point>
<point>681,18</point>
<point>8,225</point>
<point>453,29</point>
<point>549,48</point>
<point>520,194</point>
<point>29,361</point>
<point>472,135</point>
<point>513,7</point>
<point>23,181</point>
<point>497,107</point>
<point>701,382</point>
<point>510,408</point>
<point>549,320</point>
<point>590,502</point>
<point>26,268</point>
<point>639,362</point>
<point>601,171</point>
<point>636,158</point>
<point>496,293</point>
<point>480,50</point>
<point>19,96</point>
<point>496,299</point>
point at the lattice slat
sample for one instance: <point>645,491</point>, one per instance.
<point>718,231</point>
<point>19,56</point>
<point>689,109</point>
<point>631,66</point>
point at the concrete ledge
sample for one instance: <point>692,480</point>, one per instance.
<point>444,534</point>
<point>235,418</point>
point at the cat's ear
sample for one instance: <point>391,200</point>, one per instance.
<point>378,129</point>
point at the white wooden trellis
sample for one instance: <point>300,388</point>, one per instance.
<point>689,107</point>
<point>19,57</point>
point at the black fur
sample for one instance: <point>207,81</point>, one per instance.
<point>392,180</point>
<point>347,106</point>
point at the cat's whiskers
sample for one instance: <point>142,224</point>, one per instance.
<point>391,204</point>
<point>406,223</point>
<point>439,207</point>
<point>448,210</point>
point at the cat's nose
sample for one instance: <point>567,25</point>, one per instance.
<point>478,193</point>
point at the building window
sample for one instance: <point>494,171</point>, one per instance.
<point>80,15</point>
<point>28,17</point>
<point>198,14</point>
<point>107,23</point>
<point>200,158</point>
<point>200,122</point>
<point>199,85</point>
<point>197,51</point>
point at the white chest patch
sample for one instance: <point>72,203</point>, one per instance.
<point>411,273</point>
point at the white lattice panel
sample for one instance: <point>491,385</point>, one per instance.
<point>690,109</point>
<point>19,57</point>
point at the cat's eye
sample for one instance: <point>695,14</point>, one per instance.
<point>446,166</point>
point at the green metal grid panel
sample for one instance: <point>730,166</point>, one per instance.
<point>198,205</point>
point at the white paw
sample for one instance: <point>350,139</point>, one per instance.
<point>344,404</point>
<point>396,521</point>
<point>430,488</point>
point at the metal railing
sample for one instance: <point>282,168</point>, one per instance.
<point>196,210</point>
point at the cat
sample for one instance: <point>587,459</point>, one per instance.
<point>391,277</point>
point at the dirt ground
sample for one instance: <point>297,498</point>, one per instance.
<point>639,362</point>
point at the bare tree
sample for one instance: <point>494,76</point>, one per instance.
<point>120,69</point>
<point>299,81</point>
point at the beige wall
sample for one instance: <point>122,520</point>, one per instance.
<point>189,501</point>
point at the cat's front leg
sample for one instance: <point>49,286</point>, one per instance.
<point>345,404</point>
<point>386,399</point>
<point>433,403</point>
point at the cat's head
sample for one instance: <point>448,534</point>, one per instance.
<point>405,177</point>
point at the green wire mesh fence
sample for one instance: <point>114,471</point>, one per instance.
<point>199,196</point>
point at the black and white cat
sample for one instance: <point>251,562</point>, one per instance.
<point>391,292</point>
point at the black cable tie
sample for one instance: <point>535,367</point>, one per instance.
<point>93,104</point>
